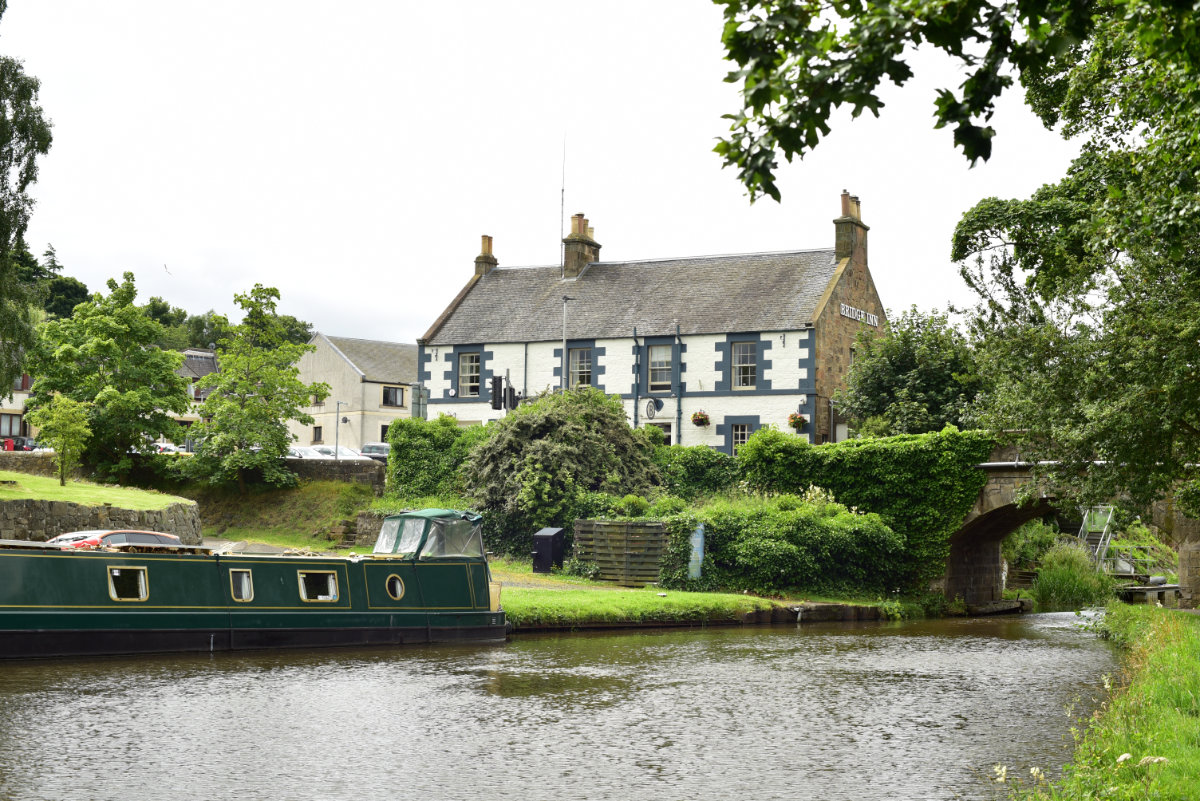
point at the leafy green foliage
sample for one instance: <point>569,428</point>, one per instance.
<point>696,471</point>
<point>921,485</point>
<point>64,427</point>
<point>426,455</point>
<point>1024,547</point>
<point>243,433</point>
<point>920,376</point>
<point>1068,580</point>
<point>541,459</point>
<point>24,135</point>
<point>797,63</point>
<point>772,546</point>
<point>103,355</point>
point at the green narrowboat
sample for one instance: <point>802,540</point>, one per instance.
<point>426,581</point>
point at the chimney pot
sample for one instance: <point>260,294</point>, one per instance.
<point>486,250</point>
<point>845,203</point>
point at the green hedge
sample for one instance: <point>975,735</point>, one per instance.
<point>921,485</point>
<point>696,471</point>
<point>770,546</point>
<point>426,455</point>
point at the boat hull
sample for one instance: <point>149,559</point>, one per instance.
<point>55,603</point>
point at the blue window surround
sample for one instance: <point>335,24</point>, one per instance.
<point>451,374</point>
<point>725,428</point>
<point>597,368</point>
<point>725,363</point>
<point>642,365</point>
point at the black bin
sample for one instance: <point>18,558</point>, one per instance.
<point>547,549</point>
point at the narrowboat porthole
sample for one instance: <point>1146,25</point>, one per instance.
<point>395,587</point>
<point>241,585</point>
<point>318,585</point>
<point>128,584</point>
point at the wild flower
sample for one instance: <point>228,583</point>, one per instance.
<point>1124,757</point>
<point>1151,760</point>
<point>1001,772</point>
<point>1037,774</point>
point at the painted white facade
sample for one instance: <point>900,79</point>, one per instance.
<point>703,385</point>
<point>367,405</point>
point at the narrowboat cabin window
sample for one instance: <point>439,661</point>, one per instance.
<point>128,584</point>
<point>395,587</point>
<point>453,538</point>
<point>241,585</point>
<point>400,536</point>
<point>318,585</point>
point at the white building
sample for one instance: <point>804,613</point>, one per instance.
<point>370,385</point>
<point>746,339</point>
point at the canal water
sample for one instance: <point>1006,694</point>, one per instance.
<point>919,710</point>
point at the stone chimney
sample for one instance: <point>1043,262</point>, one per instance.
<point>849,228</point>
<point>579,249</point>
<point>485,262</point>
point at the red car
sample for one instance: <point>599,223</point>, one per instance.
<point>106,538</point>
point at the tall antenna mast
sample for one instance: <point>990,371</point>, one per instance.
<point>562,211</point>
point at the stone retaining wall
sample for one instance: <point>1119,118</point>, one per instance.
<point>39,463</point>
<point>37,520</point>
<point>351,471</point>
<point>1189,575</point>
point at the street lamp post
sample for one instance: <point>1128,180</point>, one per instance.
<point>337,429</point>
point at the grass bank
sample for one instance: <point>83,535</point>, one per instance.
<point>1145,742</point>
<point>85,493</point>
<point>584,607</point>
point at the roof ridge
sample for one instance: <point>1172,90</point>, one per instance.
<point>665,259</point>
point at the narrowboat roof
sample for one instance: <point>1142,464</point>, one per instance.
<point>436,513</point>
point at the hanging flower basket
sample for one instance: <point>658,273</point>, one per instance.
<point>700,418</point>
<point>797,421</point>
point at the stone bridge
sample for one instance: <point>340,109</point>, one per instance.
<point>974,570</point>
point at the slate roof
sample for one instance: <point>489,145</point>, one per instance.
<point>381,362</point>
<point>705,295</point>
<point>197,363</point>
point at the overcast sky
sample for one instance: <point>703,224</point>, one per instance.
<point>351,154</point>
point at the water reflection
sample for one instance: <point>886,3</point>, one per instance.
<point>883,711</point>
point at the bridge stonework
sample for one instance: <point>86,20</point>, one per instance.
<point>974,570</point>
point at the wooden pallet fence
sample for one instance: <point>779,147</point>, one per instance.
<point>627,552</point>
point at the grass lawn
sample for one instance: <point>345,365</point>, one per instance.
<point>584,606</point>
<point>84,493</point>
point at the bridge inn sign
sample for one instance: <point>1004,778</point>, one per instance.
<point>708,348</point>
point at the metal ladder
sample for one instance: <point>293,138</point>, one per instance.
<point>1096,532</point>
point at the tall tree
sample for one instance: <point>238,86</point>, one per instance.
<point>24,135</point>
<point>919,377</point>
<point>1089,289</point>
<point>103,354</point>
<point>244,434</point>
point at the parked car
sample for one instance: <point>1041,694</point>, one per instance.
<point>105,538</point>
<point>305,452</point>
<point>65,540</point>
<point>342,452</point>
<point>377,450</point>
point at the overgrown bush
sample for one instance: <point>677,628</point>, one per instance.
<point>1024,547</point>
<point>922,486</point>
<point>696,471</point>
<point>768,547</point>
<point>542,464</point>
<point>1068,580</point>
<point>426,455</point>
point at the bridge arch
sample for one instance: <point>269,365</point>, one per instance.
<point>973,570</point>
